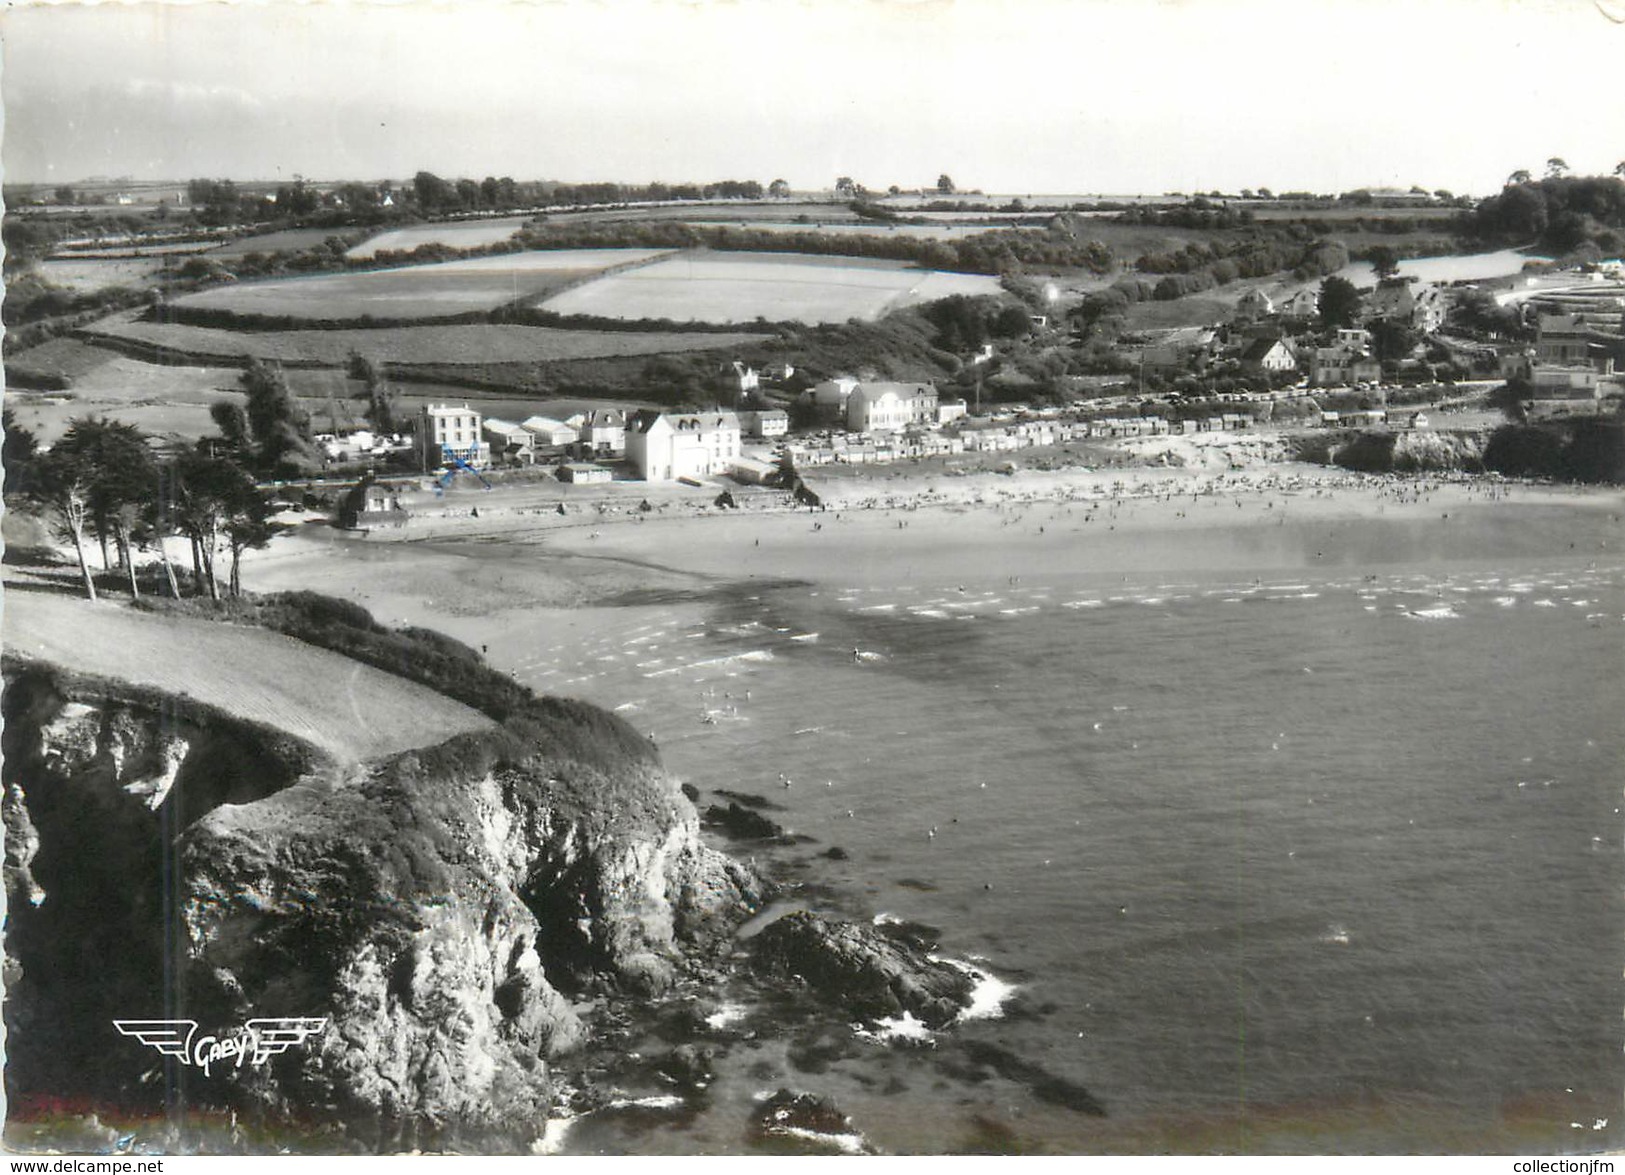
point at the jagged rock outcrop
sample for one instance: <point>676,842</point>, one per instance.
<point>440,909</point>
<point>812,1124</point>
<point>1419,450</point>
<point>873,972</point>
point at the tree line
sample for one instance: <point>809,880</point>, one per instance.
<point>103,484</point>
<point>1559,212</point>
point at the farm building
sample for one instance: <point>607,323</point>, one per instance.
<point>448,433</point>
<point>695,444</point>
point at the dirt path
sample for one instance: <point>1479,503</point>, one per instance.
<point>349,710</point>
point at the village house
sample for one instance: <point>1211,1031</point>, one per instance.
<point>1303,306</point>
<point>691,445</point>
<point>1432,307</point>
<point>764,423</point>
<point>372,504</point>
<point>601,432</point>
<point>1392,300</point>
<point>1252,305</point>
<point>1182,347</point>
<point>448,433</point>
<point>1348,360</point>
<point>1574,369</point>
<point>741,380</point>
<point>1421,308</point>
<point>1562,340</point>
<point>1268,356</point>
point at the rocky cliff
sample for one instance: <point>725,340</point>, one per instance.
<point>442,909</point>
<point>453,919</point>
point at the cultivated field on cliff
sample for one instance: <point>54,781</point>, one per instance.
<point>417,291</point>
<point>347,709</point>
<point>778,287</point>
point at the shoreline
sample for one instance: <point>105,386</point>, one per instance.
<point>525,588</point>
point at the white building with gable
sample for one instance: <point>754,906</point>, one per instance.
<point>690,444</point>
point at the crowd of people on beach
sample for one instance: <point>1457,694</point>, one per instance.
<point>842,498</point>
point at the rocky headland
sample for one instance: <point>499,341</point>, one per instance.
<point>466,917</point>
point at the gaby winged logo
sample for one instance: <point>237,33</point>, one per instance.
<point>253,1044</point>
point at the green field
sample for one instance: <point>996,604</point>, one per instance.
<point>169,402</point>
<point>932,232</point>
<point>465,344</point>
<point>829,212</point>
<point>776,287</point>
<point>87,275</point>
<point>1353,212</point>
<point>427,292</point>
<point>459,234</point>
<point>291,240</point>
<point>62,358</point>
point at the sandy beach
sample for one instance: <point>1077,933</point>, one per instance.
<point>481,564</point>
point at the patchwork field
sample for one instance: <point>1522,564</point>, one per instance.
<point>290,240</point>
<point>87,275</point>
<point>171,402</point>
<point>935,232</point>
<point>462,234</point>
<point>827,212</point>
<point>60,358</point>
<point>1354,212</point>
<point>463,344</point>
<point>776,287</point>
<point>420,291</point>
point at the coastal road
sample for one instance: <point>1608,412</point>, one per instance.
<point>349,710</point>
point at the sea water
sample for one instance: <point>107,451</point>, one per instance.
<point>1320,861</point>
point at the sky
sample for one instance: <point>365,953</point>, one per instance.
<point>1010,96</point>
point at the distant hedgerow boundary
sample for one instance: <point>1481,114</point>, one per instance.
<point>514,314</point>
<point>466,344</point>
